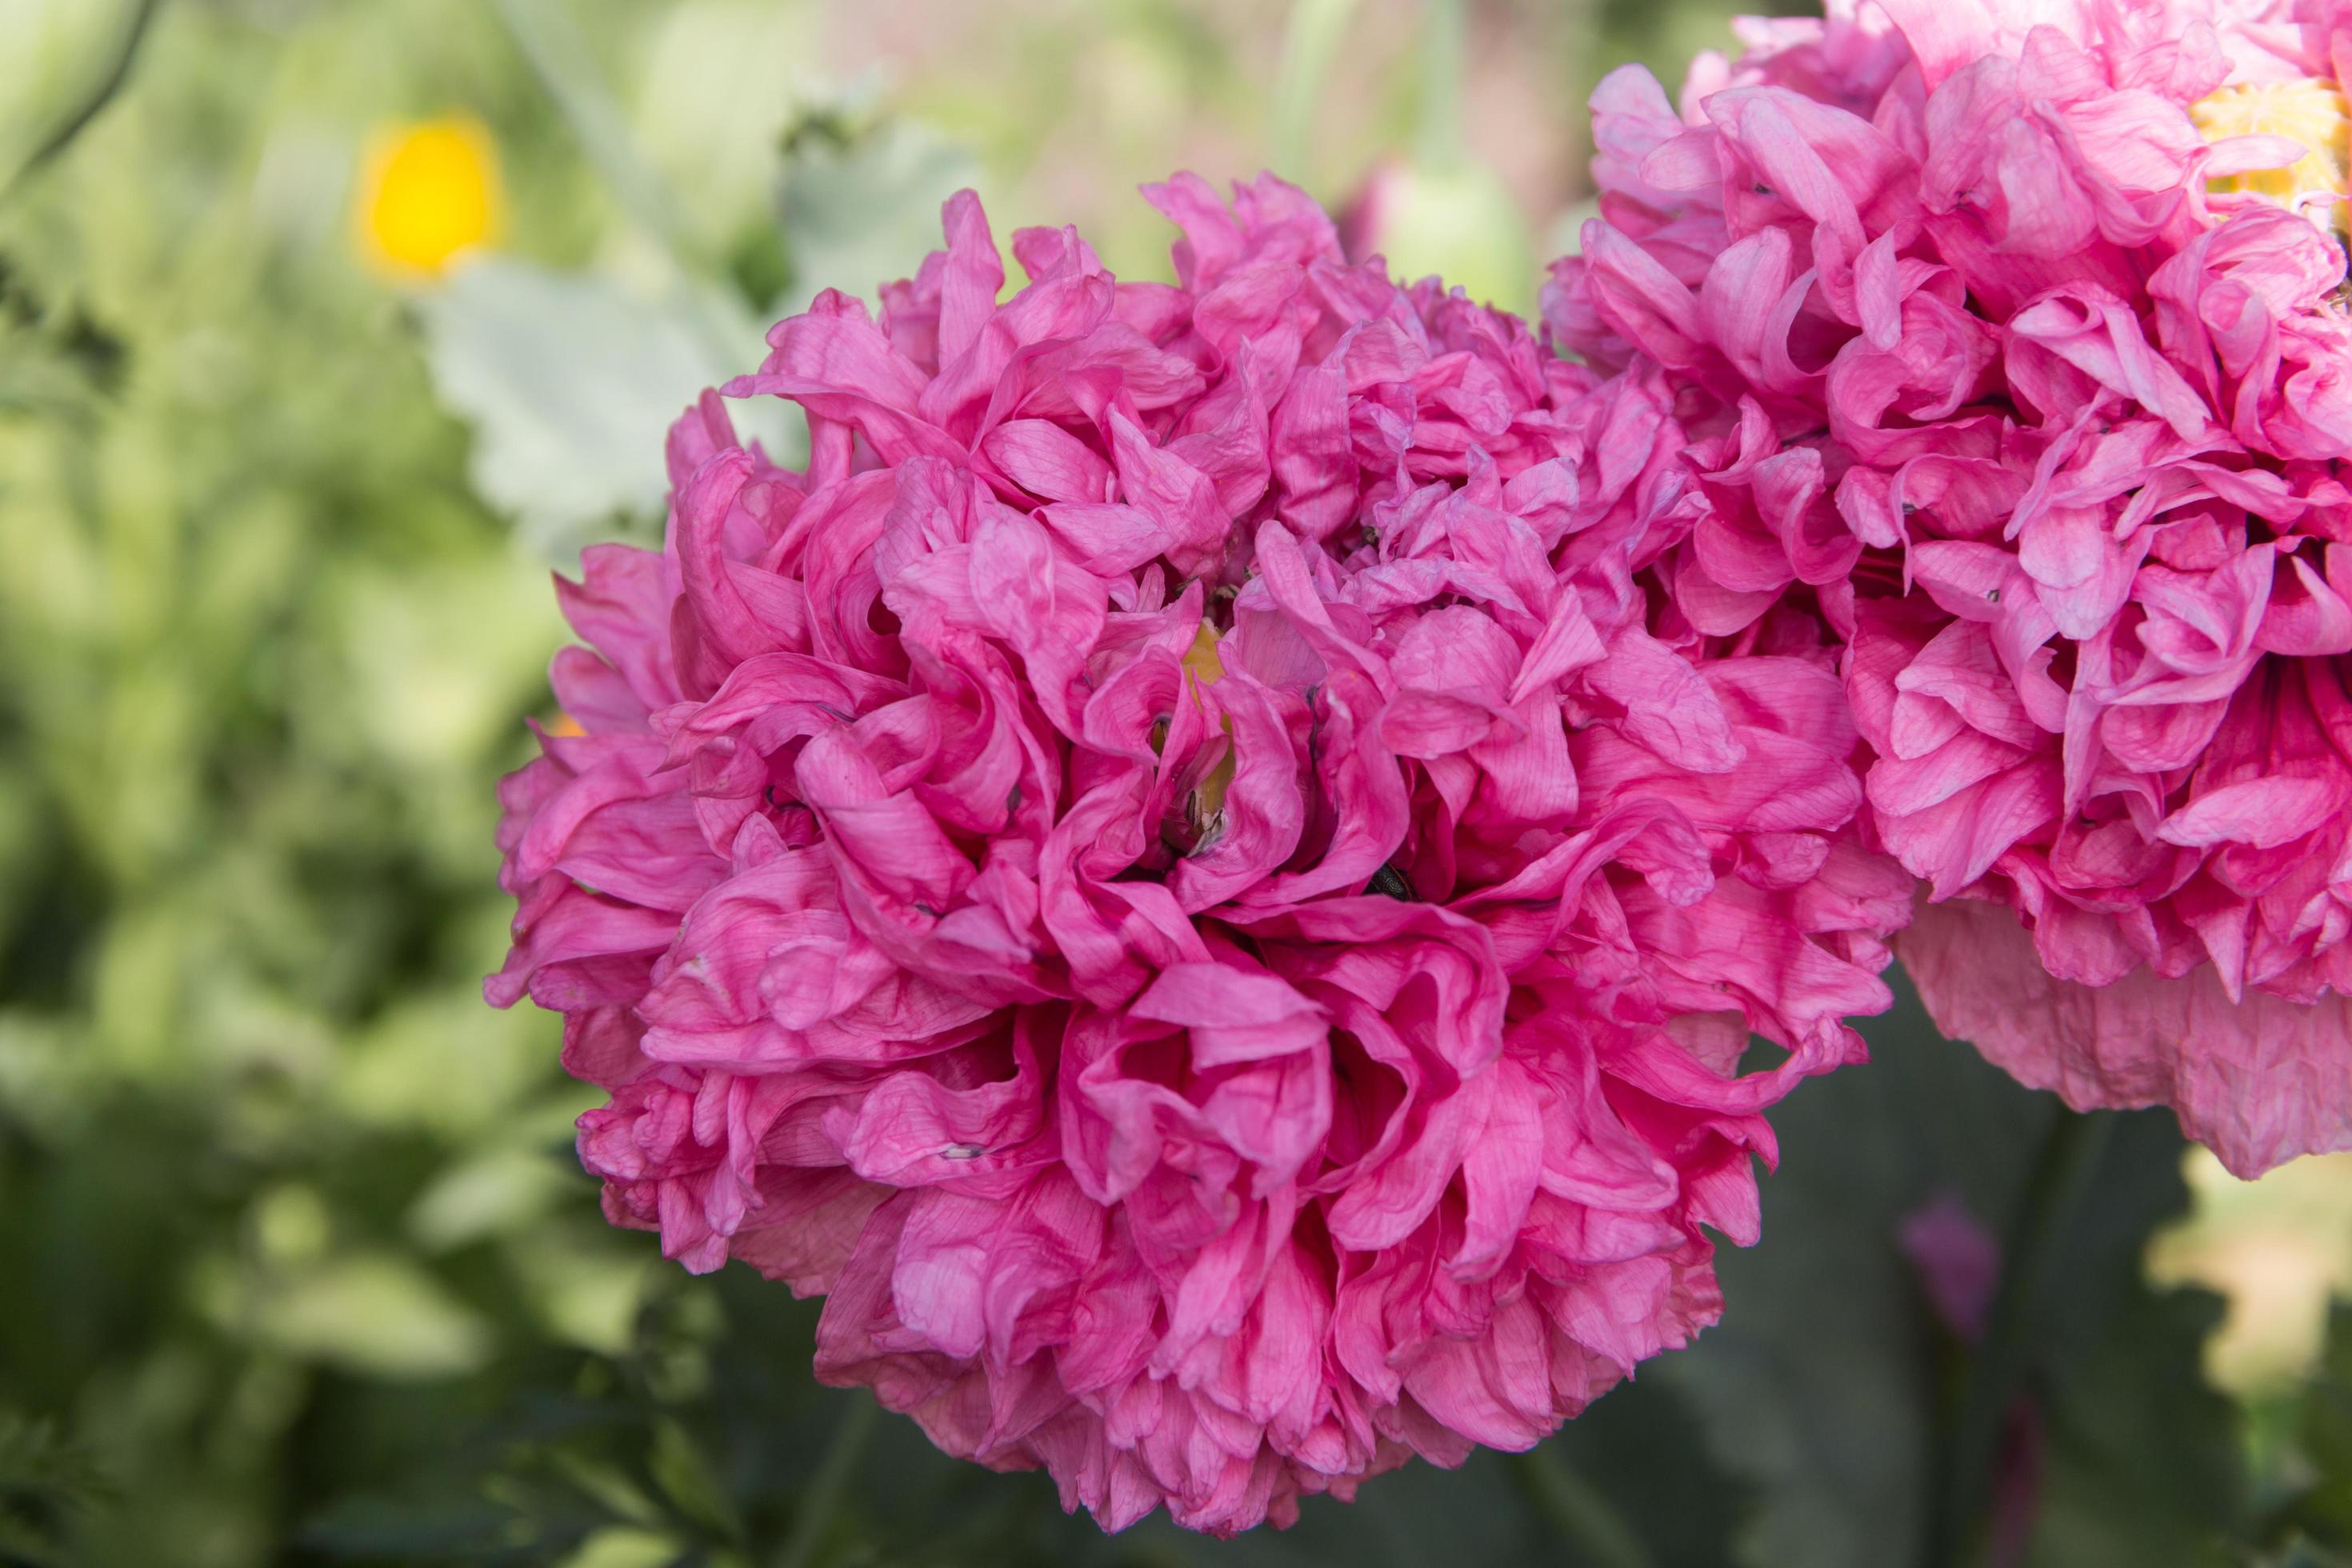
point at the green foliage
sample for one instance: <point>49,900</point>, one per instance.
<point>45,1484</point>
<point>708,1435</point>
<point>1834,1389</point>
<point>2310,1518</point>
<point>67,58</point>
<point>857,194</point>
<point>560,375</point>
<point>296,1265</point>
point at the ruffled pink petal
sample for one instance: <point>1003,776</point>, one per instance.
<point>1990,360</point>
<point>1189,874</point>
<point>2258,1080</point>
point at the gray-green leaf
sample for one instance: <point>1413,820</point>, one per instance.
<point>570,380</point>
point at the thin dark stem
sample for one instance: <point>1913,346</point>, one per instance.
<point>126,55</point>
<point>823,1498</point>
<point>1959,1527</point>
<point>1580,1511</point>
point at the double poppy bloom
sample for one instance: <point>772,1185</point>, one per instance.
<point>1196,871</point>
<point>2012,337</point>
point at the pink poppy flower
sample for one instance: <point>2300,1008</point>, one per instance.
<point>1185,873</point>
<point>2012,334</point>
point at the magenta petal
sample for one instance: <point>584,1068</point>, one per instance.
<point>1202,869</point>
<point>1983,348</point>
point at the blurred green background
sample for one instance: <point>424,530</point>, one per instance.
<point>296,1265</point>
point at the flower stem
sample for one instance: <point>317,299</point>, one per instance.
<point>559,57</point>
<point>1438,138</point>
<point>822,1498</point>
<point>1580,1511</point>
<point>1959,1526</point>
<point>1318,28</point>
<point>552,46</point>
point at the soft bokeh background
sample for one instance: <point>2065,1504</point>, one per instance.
<point>295,1263</point>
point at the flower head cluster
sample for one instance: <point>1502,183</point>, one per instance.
<point>2013,334</point>
<point>1186,872</point>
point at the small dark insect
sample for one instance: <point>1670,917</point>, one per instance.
<point>1389,883</point>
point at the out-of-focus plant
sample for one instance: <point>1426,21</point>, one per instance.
<point>294,1262</point>
<point>266,1160</point>
<point>67,58</point>
<point>2276,1249</point>
<point>428,195</point>
<point>1435,209</point>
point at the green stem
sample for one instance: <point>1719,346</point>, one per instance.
<point>823,1498</point>
<point>559,57</point>
<point>1998,1372</point>
<point>566,68</point>
<point>1577,40</point>
<point>1580,1511</point>
<point>1308,47</point>
<point>1438,141</point>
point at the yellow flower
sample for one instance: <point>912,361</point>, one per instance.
<point>2309,112</point>
<point>428,193</point>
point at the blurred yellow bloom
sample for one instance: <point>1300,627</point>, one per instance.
<point>428,193</point>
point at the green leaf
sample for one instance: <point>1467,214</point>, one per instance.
<point>2142,1465</point>
<point>687,1480</point>
<point>376,1313</point>
<point>2317,1513</point>
<point>47,1484</point>
<point>860,202</point>
<point>1831,1385</point>
<point>568,379</point>
<point>409,1527</point>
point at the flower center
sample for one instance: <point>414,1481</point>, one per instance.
<point>1208,803</point>
<point>2310,112</point>
<point>1201,658</point>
